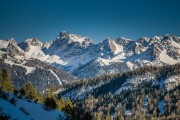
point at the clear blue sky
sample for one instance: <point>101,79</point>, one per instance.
<point>96,19</point>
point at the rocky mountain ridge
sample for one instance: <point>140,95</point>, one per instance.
<point>81,57</point>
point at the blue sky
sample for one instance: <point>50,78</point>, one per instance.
<point>97,19</point>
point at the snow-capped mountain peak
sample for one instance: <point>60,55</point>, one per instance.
<point>78,55</point>
<point>34,42</point>
<point>73,38</point>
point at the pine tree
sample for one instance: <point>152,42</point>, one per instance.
<point>52,89</point>
<point>68,102</point>
<point>40,97</point>
<point>13,101</point>
<point>68,108</point>
<point>120,114</point>
<point>29,91</point>
<point>108,117</point>
<point>61,104</point>
<point>5,82</point>
<point>51,103</point>
<point>99,116</point>
<point>121,118</point>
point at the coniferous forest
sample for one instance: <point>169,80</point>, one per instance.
<point>147,101</point>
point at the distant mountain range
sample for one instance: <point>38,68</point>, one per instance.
<point>71,56</point>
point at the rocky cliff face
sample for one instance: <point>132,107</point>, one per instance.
<point>67,45</point>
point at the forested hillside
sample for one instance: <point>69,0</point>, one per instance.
<point>145,93</point>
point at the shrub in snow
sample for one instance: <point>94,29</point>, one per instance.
<point>5,96</point>
<point>50,103</point>
<point>13,101</point>
<point>24,111</point>
<point>16,92</point>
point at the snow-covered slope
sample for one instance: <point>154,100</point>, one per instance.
<point>3,44</point>
<point>72,51</point>
<point>165,78</point>
<point>172,82</point>
<point>27,110</point>
<point>27,63</point>
<point>125,54</point>
<point>39,73</point>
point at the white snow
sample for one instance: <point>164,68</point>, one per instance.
<point>34,51</point>
<point>130,65</point>
<point>119,57</point>
<point>175,44</point>
<point>144,49</point>
<point>166,59</point>
<point>58,91</point>
<point>12,111</point>
<point>80,93</point>
<point>172,81</point>
<point>124,38</point>
<point>53,59</point>
<point>3,44</point>
<point>75,61</point>
<point>56,77</point>
<point>133,82</point>
<point>119,48</point>
<point>103,61</point>
<point>35,110</point>
<point>28,69</point>
<point>76,38</point>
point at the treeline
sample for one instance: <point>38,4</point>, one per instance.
<point>117,80</point>
<point>111,83</point>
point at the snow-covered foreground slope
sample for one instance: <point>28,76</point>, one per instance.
<point>24,110</point>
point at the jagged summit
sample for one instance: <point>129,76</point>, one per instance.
<point>73,38</point>
<point>34,41</point>
<point>27,44</point>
